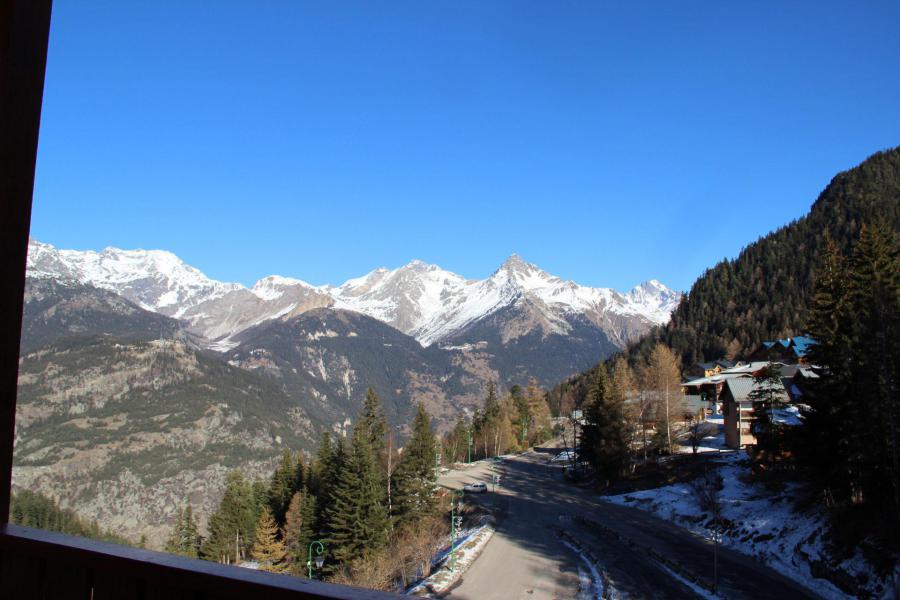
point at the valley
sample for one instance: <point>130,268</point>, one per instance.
<point>143,382</point>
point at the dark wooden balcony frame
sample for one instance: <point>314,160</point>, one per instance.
<point>42,564</point>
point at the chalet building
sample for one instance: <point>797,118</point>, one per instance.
<point>737,407</point>
<point>790,350</point>
<point>709,388</point>
<point>709,369</point>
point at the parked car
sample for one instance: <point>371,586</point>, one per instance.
<point>476,488</point>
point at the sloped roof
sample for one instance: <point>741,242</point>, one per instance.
<point>802,344</point>
<point>717,378</point>
<point>799,344</point>
<point>740,388</point>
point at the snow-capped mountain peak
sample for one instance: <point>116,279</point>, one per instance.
<point>274,286</point>
<point>523,275</point>
<point>656,297</point>
<point>418,298</point>
<point>154,279</point>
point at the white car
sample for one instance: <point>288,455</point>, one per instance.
<point>476,488</point>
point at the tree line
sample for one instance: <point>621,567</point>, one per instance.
<point>373,508</point>
<point>33,509</point>
<point>848,446</point>
<point>505,424</point>
<point>766,292</point>
<point>845,450</point>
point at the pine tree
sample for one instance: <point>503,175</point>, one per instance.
<point>319,476</point>
<point>185,536</point>
<point>875,366</point>
<point>372,423</point>
<point>414,479</point>
<point>766,397</point>
<point>356,519</point>
<point>849,438</point>
<point>260,492</point>
<point>299,530</point>
<point>821,445</point>
<point>267,549</point>
<point>232,527</point>
<point>308,526</point>
<point>603,440</point>
<point>282,486</point>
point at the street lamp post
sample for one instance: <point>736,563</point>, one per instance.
<point>319,558</point>
<point>453,527</point>
<point>469,432</point>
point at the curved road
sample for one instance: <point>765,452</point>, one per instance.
<point>526,558</point>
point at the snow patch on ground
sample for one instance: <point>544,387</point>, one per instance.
<point>591,582</point>
<point>703,593</point>
<point>765,524</point>
<point>469,544</point>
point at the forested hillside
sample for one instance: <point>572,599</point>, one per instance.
<point>766,291</point>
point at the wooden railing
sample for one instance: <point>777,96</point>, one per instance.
<point>36,564</point>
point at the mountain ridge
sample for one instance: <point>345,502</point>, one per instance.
<point>420,299</point>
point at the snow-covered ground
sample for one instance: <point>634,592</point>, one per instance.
<point>591,583</point>
<point>764,524</point>
<point>713,442</point>
<point>469,544</point>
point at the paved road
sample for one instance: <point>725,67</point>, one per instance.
<point>526,559</point>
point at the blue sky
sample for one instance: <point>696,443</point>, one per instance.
<point>607,142</point>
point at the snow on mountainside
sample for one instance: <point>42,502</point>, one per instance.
<point>154,279</point>
<point>419,299</point>
<point>432,304</point>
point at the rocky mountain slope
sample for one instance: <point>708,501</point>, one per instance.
<point>142,380</point>
<point>421,300</point>
<point>122,417</point>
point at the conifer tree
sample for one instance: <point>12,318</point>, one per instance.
<point>603,441</point>
<point>267,549</point>
<point>231,528</point>
<point>414,479</point>
<point>185,536</point>
<point>356,519</point>
<point>373,423</point>
<point>282,486</point>
<point>875,365</point>
<point>766,397</point>
<point>308,526</point>
<point>819,445</point>
<point>260,491</point>
<point>318,477</point>
<point>850,435</point>
<point>299,529</point>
